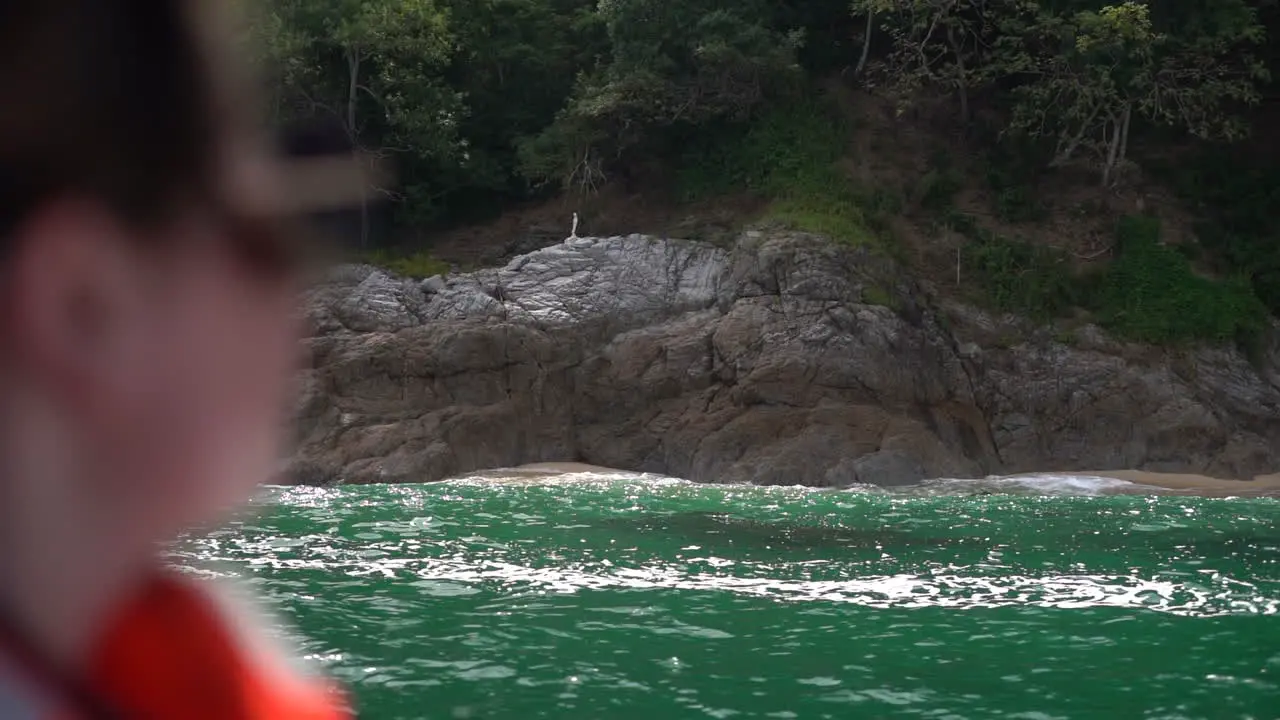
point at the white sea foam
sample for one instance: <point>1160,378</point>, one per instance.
<point>538,476</point>
<point>1029,484</point>
<point>1035,484</point>
<point>1051,484</point>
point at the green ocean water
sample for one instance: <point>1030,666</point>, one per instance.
<point>650,598</point>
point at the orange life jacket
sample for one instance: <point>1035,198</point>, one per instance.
<point>177,652</point>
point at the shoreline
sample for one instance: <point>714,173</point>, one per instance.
<point>542,471</point>
<point>1144,482</point>
<point>1191,483</point>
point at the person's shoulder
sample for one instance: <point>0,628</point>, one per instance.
<point>256,632</point>
<point>269,655</point>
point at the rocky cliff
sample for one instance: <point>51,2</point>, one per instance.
<point>785,359</point>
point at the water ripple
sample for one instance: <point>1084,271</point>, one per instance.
<point>648,597</point>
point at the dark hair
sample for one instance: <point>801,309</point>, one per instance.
<point>109,98</point>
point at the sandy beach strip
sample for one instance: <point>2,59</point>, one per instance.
<point>1191,484</point>
<point>545,471</point>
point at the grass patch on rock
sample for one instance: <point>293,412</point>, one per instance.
<point>877,295</point>
<point>420,264</point>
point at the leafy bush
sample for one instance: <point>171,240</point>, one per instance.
<point>939,186</point>
<point>1016,203</point>
<point>1240,201</point>
<point>773,153</point>
<point>789,155</point>
<point>1012,168</point>
<point>1020,277</point>
<point>1151,294</point>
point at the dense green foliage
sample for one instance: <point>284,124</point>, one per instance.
<point>1077,73</point>
<point>483,103</point>
<point>790,155</point>
<point>1238,200</point>
<point>1021,277</point>
<point>671,69</point>
<point>1149,293</point>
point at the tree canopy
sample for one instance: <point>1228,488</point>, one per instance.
<point>486,101</point>
<point>481,103</point>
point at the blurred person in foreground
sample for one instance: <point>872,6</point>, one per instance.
<point>147,341</point>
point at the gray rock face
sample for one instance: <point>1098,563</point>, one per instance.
<point>766,363</point>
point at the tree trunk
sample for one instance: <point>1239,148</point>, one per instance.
<point>962,77</point>
<point>354,57</point>
<point>353,89</point>
<point>1124,133</point>
<point>1064,153</point>
<point>1113,150</point>
<point>866,45</point>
